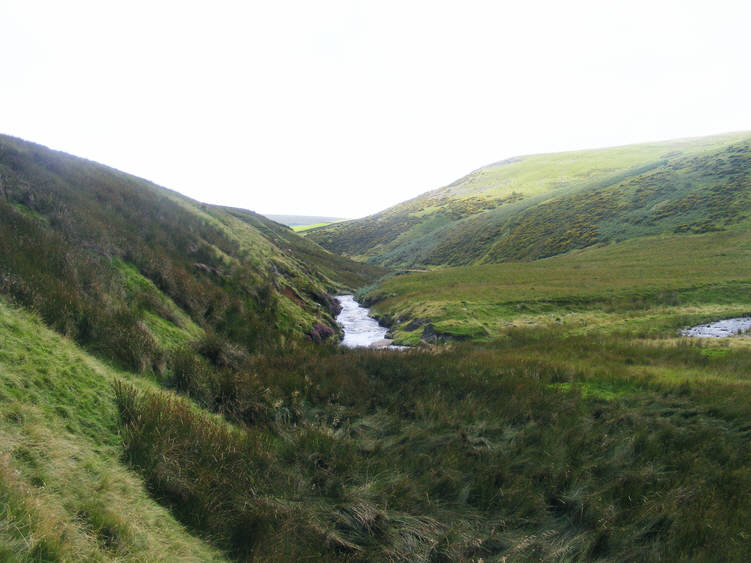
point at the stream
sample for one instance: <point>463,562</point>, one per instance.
<point>719,329</point>
<point>360,329</point>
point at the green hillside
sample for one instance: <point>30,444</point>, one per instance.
<point>541,205</point>
<point>133,271</point>
<point>65,492</point>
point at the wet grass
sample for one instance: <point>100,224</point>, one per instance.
<point>649,287</point>
<point>535,446</point>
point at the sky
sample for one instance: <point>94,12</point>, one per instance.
<point>343,108</point>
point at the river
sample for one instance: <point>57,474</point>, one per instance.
<point>360,329</point>
<point>720,329</point>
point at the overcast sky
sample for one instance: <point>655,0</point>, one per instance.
<point>342,107</point>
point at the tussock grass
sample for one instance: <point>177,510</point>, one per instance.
<point>535,446</point>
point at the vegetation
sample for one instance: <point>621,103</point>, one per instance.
<point>543,205</point>
<point>651,286</point>
<point>65,493</point>
<point>170,387</point>
<point>131,270</point>
<point>536,447</point>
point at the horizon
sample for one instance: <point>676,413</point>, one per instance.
<point>347,108</point>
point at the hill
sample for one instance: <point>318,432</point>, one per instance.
<point>537,206</point>
<point>134,271</point>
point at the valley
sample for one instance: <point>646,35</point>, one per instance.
<point>173,384</point>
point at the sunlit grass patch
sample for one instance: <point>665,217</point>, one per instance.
<point>64,492</point>
<point>597,390</point>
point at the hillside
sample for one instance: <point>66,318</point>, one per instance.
<point>133,271</point>
<point>537,206</point>
<point>65,491</point>
<point>165,394</point>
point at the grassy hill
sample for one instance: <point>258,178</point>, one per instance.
<point>537,206</point>
<point>134,271</point>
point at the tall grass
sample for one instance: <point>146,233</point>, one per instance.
<point>65,491</point>
<point>505,450</point>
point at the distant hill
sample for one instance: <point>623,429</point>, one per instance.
<point>536,206</point>
<point>133,271</point>
<point>299,220</point>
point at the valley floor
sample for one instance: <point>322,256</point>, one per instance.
<point>540,445</point>
<point>646,287</point>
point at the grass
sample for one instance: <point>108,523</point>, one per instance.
<point>542,444</point>
<point>541,205</point>
<point>539,446</point>
<point>64,490</point>
<point>646,286</point>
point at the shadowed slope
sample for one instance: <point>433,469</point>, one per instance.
<point>131,270</point>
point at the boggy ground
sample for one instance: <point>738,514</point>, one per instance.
<point>650,287</point>
<point>537,445</point>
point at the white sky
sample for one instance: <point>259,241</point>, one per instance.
<point>343,108</point>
